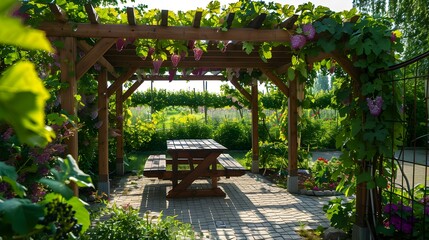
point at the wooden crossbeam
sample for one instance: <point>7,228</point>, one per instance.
<point>229,19</point>
<point>288,23</point>
<point>92,14</point>
<point>243,91</point>
<point>93,56</point>
<point>256,23</point>
<point>277,81</point>
<point>124,77</point>
<point>59,14</point>
<point>86,48</point>
<point>131,90</point>
<point>197,19</point>
<point>130,16</point>
<point>164,18</point>
<point>185,78</point>
<point>86,30</point>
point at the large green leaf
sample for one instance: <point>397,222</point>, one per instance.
<point>22,214</point>
<point>6,5</point>
<point>82,214</point>
<point>14,33</point>
<point>22,103</point>
<point>71,172</point>
<point>58,187</point>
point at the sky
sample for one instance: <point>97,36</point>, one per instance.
<point>184,5</point>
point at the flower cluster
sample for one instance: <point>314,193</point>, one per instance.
<point>308,33</point>
<point>401,217</point>
<point>375,105</point>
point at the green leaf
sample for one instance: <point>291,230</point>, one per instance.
<point>248,47</point>
<point>364,177</point>
<point>327,46</point>
<point>58,187</point>
<point>381,181</point>
<point>6,5</point>
<point>22,214</point>
<point>71,172</point>
<point>356,126</point>
<point>22,104</point>
<point>16,34</point>
<point>8,171</point>
<point>290,73</point>
<point>82,214</point>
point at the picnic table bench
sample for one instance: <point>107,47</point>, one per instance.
<point>202,156</point>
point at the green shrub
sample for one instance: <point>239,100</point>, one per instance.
<point>138,135</point>
<point>341,213</point>
<point>189,127</point>
<point>126,223</point>
<point>235,135</point>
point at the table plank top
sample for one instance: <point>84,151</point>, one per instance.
<point>194,144</point>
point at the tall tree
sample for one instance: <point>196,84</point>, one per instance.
<point>410,17</point>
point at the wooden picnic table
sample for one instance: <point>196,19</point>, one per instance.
<point>202,151</point>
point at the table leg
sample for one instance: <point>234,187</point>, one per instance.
<point>175,168</point>
<point>214,174</point>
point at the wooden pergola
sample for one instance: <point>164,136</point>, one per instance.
<point>119,67</point>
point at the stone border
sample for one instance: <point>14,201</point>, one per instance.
<point>319,193</point>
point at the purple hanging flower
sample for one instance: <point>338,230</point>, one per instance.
<point>309,31</point>
<point>171,74</point>
<point>298,41</point>
<point>375,105</point>
<point>156,65</point>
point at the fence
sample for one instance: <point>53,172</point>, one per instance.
<point>404,205</point>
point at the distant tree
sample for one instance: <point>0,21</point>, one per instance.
<point>321,83</point>
<point>410,17</point>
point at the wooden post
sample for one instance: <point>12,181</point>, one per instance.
<point>255,135</point>
<point>103,150</point>
<point>68,103</point>
<point>292,182</point>
<point>120,129</point>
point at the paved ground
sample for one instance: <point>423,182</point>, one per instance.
<point>253,208</point>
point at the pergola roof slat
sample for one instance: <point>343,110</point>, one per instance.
<point>86,48</point>
<point>164,18</point>
<point>85,30</point>
<point>92,14</point>
<point>197,20</point>
<point>288,23</point>
<point>130,16</point>
<point>257,22</point>
<point>59,14</point>
<point>229,19</point>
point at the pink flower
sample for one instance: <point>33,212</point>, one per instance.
<point>156,65</point>
<point>298,41</point>
<point>171,74</point>
<point>198,52</point>
<point>175,59</point>
<point>309,31</point>
<point>120,44</point>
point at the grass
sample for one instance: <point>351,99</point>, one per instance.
<point>136,160</point>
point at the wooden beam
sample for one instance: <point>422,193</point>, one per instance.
<point>164,18</point>
<point>118,83</point>
<point>241,89</point>
<point>120,170</point>
<point>277,81</point>
<point>346,64</point>
<point>102,61</point>
<point>184,78</point>
<point>103,135</point>
<point>256,23</point>
<point>229,19</point>
<point>59,14</point>
<point>130,16</point>
<point>93,56</point>
<point>255,121</point>
<point>131,90</point>
<point>197,19</point>
<point>68,103</point>
<point>86,30</point>
<point>293,135</point>
<point>288,23</point>
<point>92,14</point>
